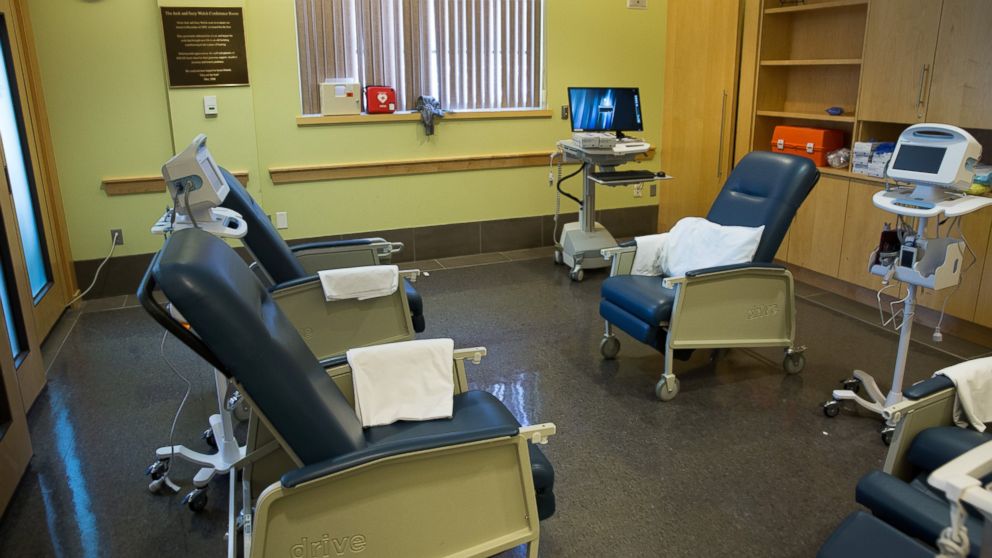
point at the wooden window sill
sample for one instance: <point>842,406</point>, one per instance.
<point>317,120</point>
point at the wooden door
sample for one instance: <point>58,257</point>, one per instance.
<point>898,60</point>
<point>816,232</point>
<point>961,88</point>
<point>962,303</point>
<point>15,442</point>
<point>701,60</point>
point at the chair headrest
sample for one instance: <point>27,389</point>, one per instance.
<point>262,239</point>
<point>765,189</point>
<point>237,320</point>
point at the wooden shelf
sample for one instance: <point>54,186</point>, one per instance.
<point>844,173</point>
<point>317,120</point>
<point>806,116</point>
<point>816,6</point>
<point>822,62</point>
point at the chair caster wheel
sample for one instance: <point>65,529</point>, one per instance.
<point>577,274</point>
<point>852,384</point>
<point>158,469</point>
<point>196,500</point>
<point>609,347</point>
<point>208,437</point>
<point>793,363</point>
<point>887,433</point>
<point>662,392</point>
<point>831,408</point>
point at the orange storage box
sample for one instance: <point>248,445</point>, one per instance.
<point>812,143</point>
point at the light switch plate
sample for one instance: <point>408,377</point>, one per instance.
<point>282,220</point>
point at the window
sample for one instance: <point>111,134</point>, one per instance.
<point>470,54</point>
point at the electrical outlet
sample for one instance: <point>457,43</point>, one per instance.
<point>564,112</point>
<point>118,236</point>
<point>637,4</point>
<point>653,190</point>
<point>638,190</point>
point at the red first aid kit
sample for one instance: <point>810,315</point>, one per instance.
<point>812,143</point>
<point>380,99</point>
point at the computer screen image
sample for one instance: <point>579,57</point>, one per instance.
<point>605,109</point>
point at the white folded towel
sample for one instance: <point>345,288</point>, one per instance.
<point>364,282</point>
<point>973,384</point>
<point>650,256</point>
<point>411,380</point>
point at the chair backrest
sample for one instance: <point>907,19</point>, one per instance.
<point>253,342</point>
<point>263,240</point>
<point>765,189</point>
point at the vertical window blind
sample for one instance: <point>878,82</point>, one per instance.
<point>470,54</point>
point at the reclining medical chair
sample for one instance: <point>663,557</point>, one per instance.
<point>472,485</point>
<point>907,514</point>
<point>743,305</point>
<point>279,263</point>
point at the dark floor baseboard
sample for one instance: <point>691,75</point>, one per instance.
<point>122,274</point>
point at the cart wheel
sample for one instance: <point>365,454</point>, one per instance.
<point>208,437</point>
<point>577,274</point>
<point>609,347</point>
<point>887,433</point>
<point>831,408</point>
<point>663,393</point>
<point>793,363</point>
<point>559,259</point>
<point>196,500</point>
<point>852,384</point>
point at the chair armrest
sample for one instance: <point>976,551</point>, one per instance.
<point>930,386</point>
<point>732,267</point>
<point>621,258</point>
<point>394,247</point>
<point>335,254</point>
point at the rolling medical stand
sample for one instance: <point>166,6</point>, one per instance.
<point>939,267</point>
<point>582,241</point>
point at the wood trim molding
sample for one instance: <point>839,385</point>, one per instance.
<point>371,169</point>
<point>318,120</point>
<point>147,184</point>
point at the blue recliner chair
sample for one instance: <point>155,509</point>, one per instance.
<point>282,263</point>
<point>746,305</point>
<point>474,484</point>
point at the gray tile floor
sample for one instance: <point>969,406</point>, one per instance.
<point>741,463</point>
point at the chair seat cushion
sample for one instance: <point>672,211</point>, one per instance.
<point>477,415</point>
<point>935,446</point>
<point>644,297</point>
<point>861,535</point>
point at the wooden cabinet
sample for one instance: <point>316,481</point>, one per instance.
<point>983,304</point>
<point>863,224</point>
<point>816,235</point>
<point>700,94</point>
<point>963,300</point>
<point>961,88</point>
<point>898,59</point>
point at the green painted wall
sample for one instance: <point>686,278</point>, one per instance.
<point>113,116</point>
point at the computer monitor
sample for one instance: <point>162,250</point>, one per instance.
<point>605,109</point>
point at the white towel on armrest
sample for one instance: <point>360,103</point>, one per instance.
<point>649,259</point>
<point>411,380</point>
<point>363,282</point>
<point>973,384</point>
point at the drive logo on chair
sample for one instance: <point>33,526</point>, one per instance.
<point>762,311</point>
<point>328,546</point>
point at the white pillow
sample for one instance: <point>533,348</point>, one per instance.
<point>650,256</point>
<point>696,243</point>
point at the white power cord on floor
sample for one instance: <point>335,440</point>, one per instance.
<point>113,245</point>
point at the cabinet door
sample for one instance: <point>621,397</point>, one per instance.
<point>898,59</point>
<point>816,233</point>
<point>961,304</point>
<point>863,227</point>
<point>700,94</point>
<point>961,89</point>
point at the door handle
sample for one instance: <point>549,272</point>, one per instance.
<point>723,123</point>
<point>924,70</point>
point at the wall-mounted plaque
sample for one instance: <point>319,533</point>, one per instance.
<point>205,47</point>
